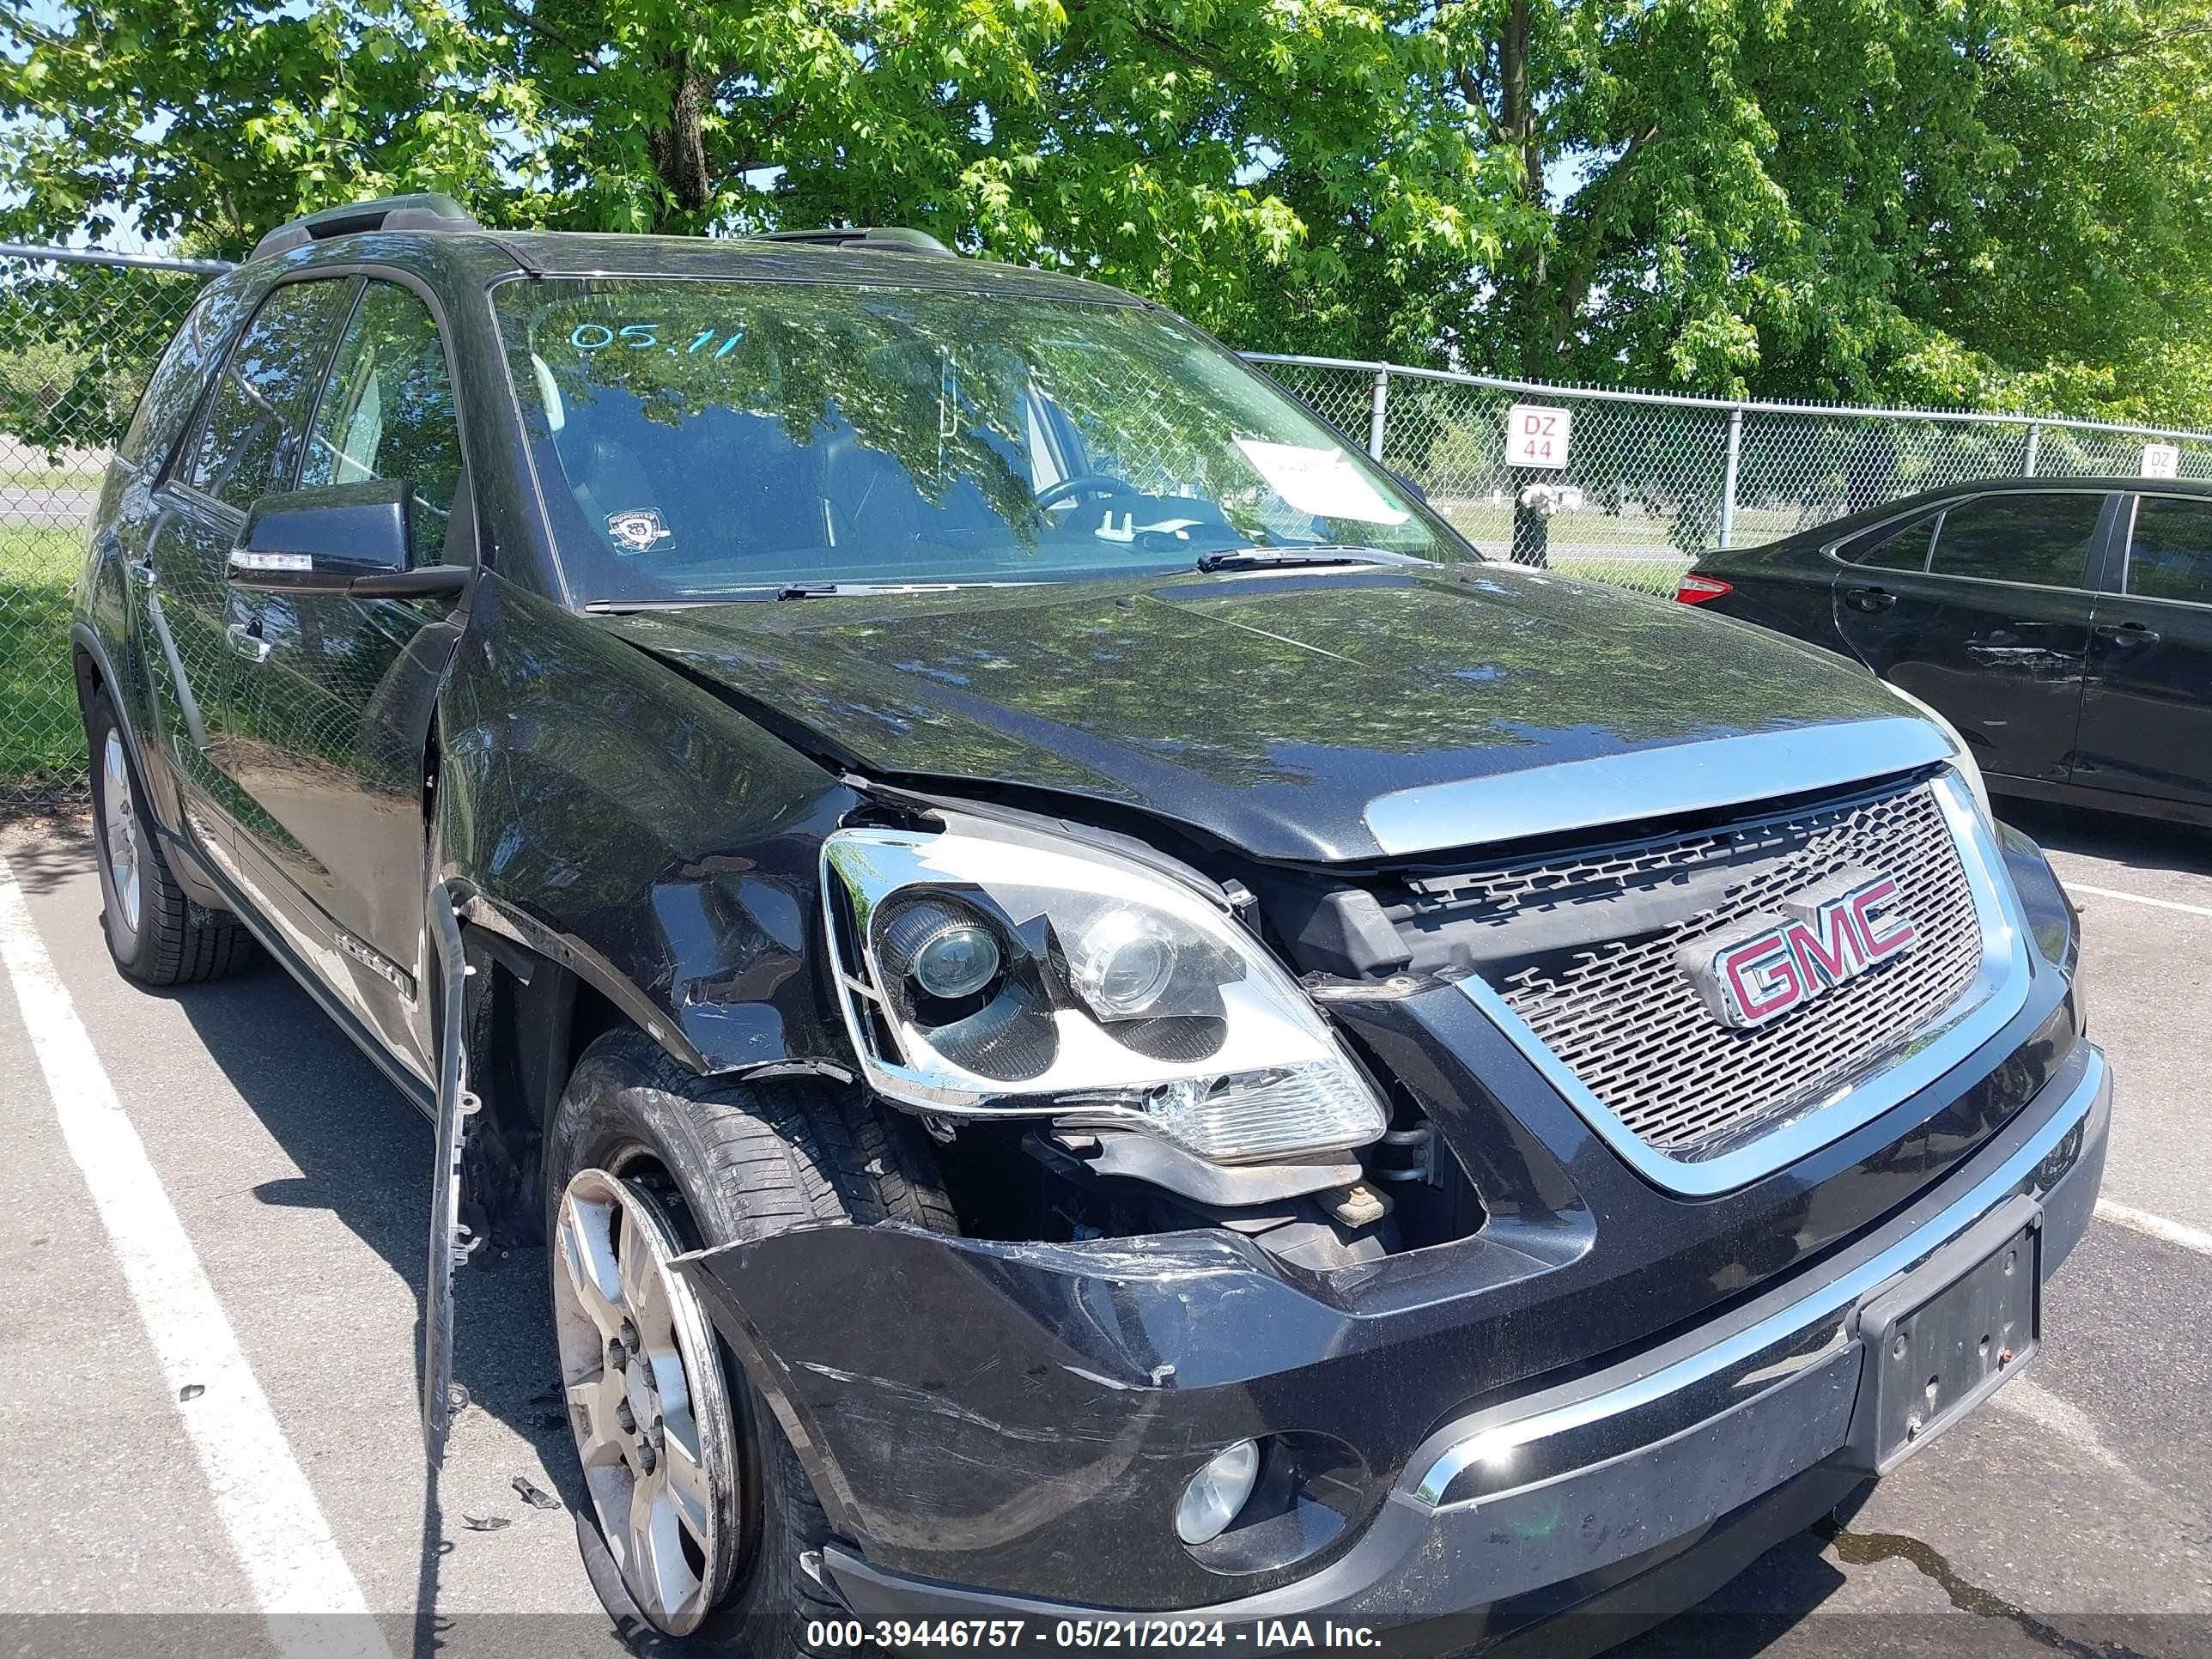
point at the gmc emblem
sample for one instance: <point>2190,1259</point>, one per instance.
<point>1769,964</point>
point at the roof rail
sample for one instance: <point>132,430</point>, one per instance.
<point>895,239</point>
<point>427,211</point>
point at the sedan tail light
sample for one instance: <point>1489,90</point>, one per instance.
<point>1694,589</point>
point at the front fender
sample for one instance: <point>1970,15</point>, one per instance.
<point>614,817</point>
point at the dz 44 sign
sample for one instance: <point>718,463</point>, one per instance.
<point>1536,435</point>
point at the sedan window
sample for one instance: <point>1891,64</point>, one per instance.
<point>2042,538</point>
<point>2170,557</point>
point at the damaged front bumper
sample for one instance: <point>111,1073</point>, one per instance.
<point>1003,1429</point>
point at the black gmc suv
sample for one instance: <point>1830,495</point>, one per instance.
<point>1101,1018</point>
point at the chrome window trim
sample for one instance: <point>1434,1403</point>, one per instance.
<point>1692,777</point>
<point>1998,992</point>
<point>1767,1354</point>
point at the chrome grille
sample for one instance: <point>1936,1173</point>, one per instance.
<point>1625,1018</point>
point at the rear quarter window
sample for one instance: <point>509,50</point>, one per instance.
<point>175,386</point>
<point>1895,547</point>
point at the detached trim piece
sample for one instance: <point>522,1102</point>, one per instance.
<point>452,1242</point>
<point>1691,776</point>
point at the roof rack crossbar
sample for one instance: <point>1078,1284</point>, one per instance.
<point>425,210</point>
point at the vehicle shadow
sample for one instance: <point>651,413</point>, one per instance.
<point>2145,844</point>
<point>1750,1614</point>
<point>365,1153</point>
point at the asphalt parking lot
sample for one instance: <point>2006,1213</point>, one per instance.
<point>217,1232</point>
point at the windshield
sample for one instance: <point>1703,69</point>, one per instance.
<point>700,439</point>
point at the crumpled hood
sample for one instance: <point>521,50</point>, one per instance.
<point>1267,710</point>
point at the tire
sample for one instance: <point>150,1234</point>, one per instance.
<point>156,935</point>
<point>715,1164</point>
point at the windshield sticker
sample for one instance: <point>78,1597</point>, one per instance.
<point>1322,482</point>
<point>637,529</point>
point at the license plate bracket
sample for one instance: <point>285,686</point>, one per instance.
<point>1947,1335</point>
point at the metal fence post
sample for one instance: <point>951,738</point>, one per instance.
<point>2034,443</point>
<point>1378,414</point>
<point>1727,482</point>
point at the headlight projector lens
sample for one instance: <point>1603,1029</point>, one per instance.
<point>1124,963</point>
<point>946,954</point>
<point>1216,1493</point>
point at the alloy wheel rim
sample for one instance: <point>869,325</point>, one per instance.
<point>645,1397</point>
<point>120,828</point>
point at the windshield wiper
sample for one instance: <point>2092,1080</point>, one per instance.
<point>844,590</point>
<point>788,591</point>
<point>1276,558</point>
<point>626,607</point>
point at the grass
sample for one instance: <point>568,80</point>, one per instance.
<point>41,737</point>
<point>50,478</point>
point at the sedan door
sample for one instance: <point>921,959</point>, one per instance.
<point>2147,714</point>
<point>1991,625</point>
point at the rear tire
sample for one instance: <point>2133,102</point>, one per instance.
<point>156,935</point>
<point>712,1162</point>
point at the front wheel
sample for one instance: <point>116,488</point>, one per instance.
<point>701,1501</point>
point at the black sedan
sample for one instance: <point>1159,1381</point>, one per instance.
<point>2063,626</point>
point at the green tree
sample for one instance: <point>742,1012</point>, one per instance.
<point>1981,201</point>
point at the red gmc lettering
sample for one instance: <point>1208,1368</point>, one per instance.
<point>1900,932</point>
<point>1766,976</point>
<point>1776,986</point>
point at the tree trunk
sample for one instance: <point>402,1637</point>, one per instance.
<point>680,148</point>
<point>1521,125</point>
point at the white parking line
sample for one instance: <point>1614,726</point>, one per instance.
<point>2156,1226</point>
<point>2139,898</point>
<point>276,1528</point>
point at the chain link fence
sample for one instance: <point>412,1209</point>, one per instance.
<point>79,334</point>
<point>1649,480</point>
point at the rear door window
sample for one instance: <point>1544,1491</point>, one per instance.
<point>2170,556</point>
<point>249,443</point>
<point>2043,538</point>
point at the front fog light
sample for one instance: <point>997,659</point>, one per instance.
<point>1216,1493</point>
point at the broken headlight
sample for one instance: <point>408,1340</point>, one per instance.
<point>984,970</point>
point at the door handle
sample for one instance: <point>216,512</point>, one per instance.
<point>247,643</point>
<point>2129,636</point>
<point>1870,599</point>
<point>142,573</point>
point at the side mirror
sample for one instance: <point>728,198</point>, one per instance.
<point>355,539</point>
<point>1411,488</point>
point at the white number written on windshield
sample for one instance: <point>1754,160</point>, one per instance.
<point>644,336</point>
